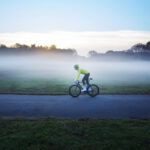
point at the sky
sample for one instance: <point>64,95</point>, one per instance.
<point>85,25</point>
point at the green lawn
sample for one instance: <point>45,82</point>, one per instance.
<point>57,86</point>
<point>82,134</point>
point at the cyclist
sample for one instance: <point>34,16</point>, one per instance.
<point>85,78</point>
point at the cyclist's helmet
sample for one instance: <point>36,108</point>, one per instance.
<point>76,66</point>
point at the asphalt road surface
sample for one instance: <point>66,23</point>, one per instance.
<point>102,106</point>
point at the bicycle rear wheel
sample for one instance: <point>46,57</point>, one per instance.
<point>74,90</point>
<point>93,90</point>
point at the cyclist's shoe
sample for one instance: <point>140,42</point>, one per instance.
<point>89,89</point>
<point>83,89</point>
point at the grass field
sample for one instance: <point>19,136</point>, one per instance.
<point>83,134</point>
<point>55,86</point>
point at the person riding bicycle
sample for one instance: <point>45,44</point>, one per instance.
<point>85,78</point>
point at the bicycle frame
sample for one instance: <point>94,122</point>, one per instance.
<point>79,84</point>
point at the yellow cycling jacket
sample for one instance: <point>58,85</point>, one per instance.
<point>81,71</point>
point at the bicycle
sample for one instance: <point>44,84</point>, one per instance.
<point>75,89</point>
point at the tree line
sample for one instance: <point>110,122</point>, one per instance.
<point>136,52</point>
<point>33,49</point>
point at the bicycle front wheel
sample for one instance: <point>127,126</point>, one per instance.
<point>93,90</point>
<point>74,90</point>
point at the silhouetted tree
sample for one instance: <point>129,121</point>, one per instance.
<point>148,45</point>
<point>33,46</point>
<point>52,47</point>
<point>138,47</point>
<point>17,45</point>
<point>3,46</point>
<point>92,53</point>
<point>110,52</point>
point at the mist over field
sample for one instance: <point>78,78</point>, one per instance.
<point>44,68</point>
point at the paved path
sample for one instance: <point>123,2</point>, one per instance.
<point>103,106</point>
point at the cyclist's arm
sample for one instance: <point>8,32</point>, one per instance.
<point>78,74</point>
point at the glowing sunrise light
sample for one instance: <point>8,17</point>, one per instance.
<point>81,41</point>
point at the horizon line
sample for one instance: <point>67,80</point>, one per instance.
<point>82,41</point>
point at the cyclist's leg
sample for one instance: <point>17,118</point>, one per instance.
<point>87,78</point>
<point>84,84</point>
<point>87,81</point>
<point>84,79</point>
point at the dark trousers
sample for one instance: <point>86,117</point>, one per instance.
<point>86,78</point>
